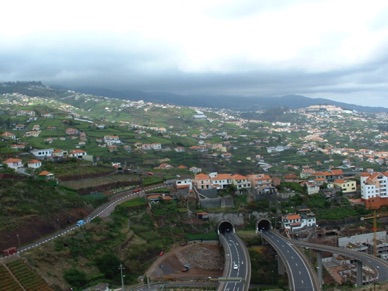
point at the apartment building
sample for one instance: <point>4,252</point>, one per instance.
<point>374,189</point>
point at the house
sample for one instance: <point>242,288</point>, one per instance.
<point>14,163</point>
<point>18,146</point>
<point>71,131</point>
<point>26,112</point>
<point>36,127</point>
<point>260,181</point>
<point>330,176</point>
<point>82,137</point>
<point>347,186</point>
<point>203,215</point>
<point>112,148</point>
<point>8,135</point>
<point>180,149</point>
<point>58,153</point>
<point>112,139</point>
<point>152,146</point>
<point>77,153</point>
<point>46,175</point>
<point>42,153</point>
<point>165,166</point>
<point>34,164</point>
<point>155,198</point>
<point>312,187</point>
<point>226,155</point>
<point>33,133</point>
<point>240,181</point>
<point>220,181</point>
<point>195,170</point>
<point>295,221</point>
<point>202,181</point>
<point>184,184</point>
<point>19,126</point>
<point>306,173</point>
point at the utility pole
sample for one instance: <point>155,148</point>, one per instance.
<point>122,278</point>
<point>18,242</point>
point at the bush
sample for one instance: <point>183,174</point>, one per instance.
<point>75,277</point>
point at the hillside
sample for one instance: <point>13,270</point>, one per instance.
<point>240,103</point>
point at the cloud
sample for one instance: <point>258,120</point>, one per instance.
<point>318,48</point>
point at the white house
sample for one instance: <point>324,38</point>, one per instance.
<point>152,146</point>
<point>14,163</point>
<point>294,221</point>
<point>112,139</point>
<point>220,181</point>
<point>184,183</point>
<point>42,153</point>
<point>77,153</point>
<point>34,164</point>
<point>312,188</point>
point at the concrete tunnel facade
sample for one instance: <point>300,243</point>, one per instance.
<point>263,224</point>
<point>225,226</point>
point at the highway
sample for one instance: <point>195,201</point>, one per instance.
<point>380,266</point>
<point>237,264</point>
<point>301,276</point>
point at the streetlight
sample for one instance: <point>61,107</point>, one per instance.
<point>18,241</point>
<point>122,277</point>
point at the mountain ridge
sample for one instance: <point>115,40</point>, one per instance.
<point>238,103</point>
<point>249,103</point>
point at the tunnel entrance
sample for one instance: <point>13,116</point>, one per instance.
<point>224,227</point>
<point>263,224</point>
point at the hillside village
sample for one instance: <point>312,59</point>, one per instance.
<point>213,156</point>
<point>321,138</point>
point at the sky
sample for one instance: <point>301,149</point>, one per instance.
<point>317,48</point>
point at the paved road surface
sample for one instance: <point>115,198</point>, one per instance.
<point>301,277</point>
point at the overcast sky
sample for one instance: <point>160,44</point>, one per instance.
<point>335,49</point>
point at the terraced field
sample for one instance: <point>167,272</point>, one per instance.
<point>7,282</point>
<point>28,278</point>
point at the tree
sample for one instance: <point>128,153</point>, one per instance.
<point>108,264</point>
<point>75,277</point>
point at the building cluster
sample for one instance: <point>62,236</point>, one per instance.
<point>261,182</point>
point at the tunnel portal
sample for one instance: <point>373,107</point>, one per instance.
<point>225,226</point>
<point>263,224</point>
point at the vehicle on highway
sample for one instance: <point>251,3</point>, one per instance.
<point>235,266</point>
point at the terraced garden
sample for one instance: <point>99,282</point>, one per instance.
<point>28,278</point>
<point>7,282</point>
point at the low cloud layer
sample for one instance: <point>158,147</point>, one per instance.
<point>329,49</point>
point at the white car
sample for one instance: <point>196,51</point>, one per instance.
<point>235,266</point>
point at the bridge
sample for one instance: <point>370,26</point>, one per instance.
<point>292,258</point>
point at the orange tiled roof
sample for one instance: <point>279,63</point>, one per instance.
<point>222,177</point>
<point>202,176</point>
<point>337,172</point>
<point>239,177</point>
<point>44,173</point>
<point>293,216</point>
<point>340,181</point>
<point>12,160</point>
